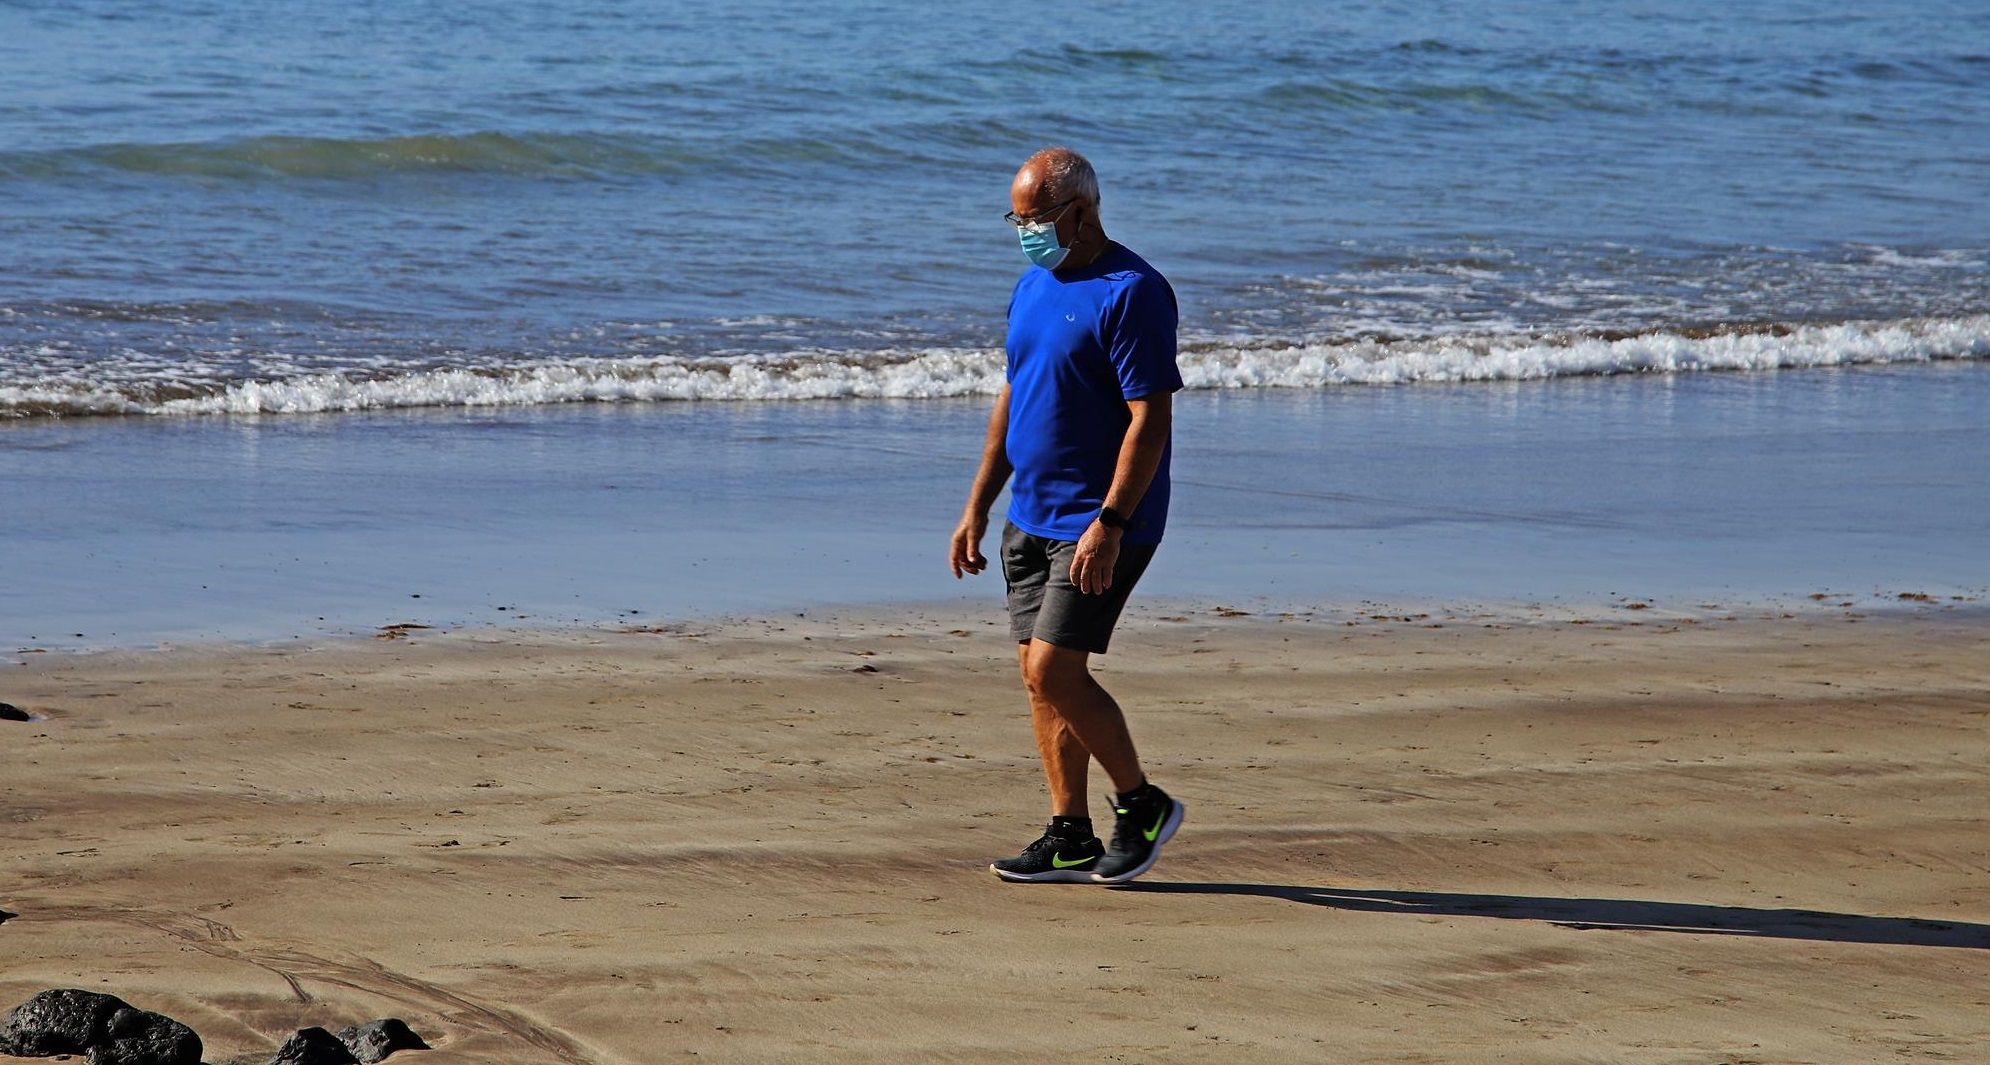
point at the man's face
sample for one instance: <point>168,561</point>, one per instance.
<point>1031,200</point>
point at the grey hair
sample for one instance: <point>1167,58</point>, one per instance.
<point>1066,174</point>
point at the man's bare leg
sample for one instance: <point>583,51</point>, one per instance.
<point>1076,720</point>
<point>1064,693</point>
<point>1065,759</point>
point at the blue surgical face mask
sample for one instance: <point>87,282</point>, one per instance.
<point>1039,241</point>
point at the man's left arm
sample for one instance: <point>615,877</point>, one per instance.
<point>1140,454</point>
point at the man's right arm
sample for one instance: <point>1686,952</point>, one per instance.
<point>965,554</point>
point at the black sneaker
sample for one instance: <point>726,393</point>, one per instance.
<point>1146,819</point>
<point>1053,858</point>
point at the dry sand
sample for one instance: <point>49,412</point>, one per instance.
<point>1642,840</point>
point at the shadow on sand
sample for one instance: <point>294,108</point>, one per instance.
<point>1619,914</point>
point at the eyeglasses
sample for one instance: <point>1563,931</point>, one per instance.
<point>1040,217</point>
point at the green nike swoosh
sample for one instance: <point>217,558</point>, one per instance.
<point>1058,861</point>
<point>1156,830</point>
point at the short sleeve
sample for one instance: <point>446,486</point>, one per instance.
<point>1009,351</point>
<point>1140,337</point>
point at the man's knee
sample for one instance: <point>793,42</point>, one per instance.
<point>1055,674</point>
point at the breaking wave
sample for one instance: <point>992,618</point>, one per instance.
<point>1206,363</point>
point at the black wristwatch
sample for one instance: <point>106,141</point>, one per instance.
<point>1111,519</point>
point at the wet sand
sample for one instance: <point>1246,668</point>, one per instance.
<point>130,532</point>
<point>1622,837</point>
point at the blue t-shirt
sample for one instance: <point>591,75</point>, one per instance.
<point>1081,345</point>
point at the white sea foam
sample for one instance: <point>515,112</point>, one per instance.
<point>1520,359</point>
<point>1205,363</point>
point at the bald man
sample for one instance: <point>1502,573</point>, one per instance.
<point>1084,423</point>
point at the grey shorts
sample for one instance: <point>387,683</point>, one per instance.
<point>1045,605</point>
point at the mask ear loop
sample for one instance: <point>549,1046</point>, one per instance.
<point>1090,220</point>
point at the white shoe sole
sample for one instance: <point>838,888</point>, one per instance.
<point>1054,876</point>
<point>1167,833</point>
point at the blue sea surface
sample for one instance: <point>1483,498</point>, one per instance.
<point>280,207</point>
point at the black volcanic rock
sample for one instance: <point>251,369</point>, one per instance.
<point>107,1028</point>
<point>313,1046</point>
<point>10,712</point>
<point>139,1037</point>
<point>374,1040</point>
<point>63,1021</point>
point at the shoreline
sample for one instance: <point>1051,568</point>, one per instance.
<point>1631,839</point>
<point>1622,611</point>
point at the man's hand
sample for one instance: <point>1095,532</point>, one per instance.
<point>965,555</point>
<point>1092,563</point>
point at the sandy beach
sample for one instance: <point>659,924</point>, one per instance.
<point>1634,836</point>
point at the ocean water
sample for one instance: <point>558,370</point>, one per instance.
<point>213,208</point>
<point>319,317</point>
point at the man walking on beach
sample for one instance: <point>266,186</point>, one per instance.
<point>1084,423</point>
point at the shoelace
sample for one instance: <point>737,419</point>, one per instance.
<point>1054,844</point>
